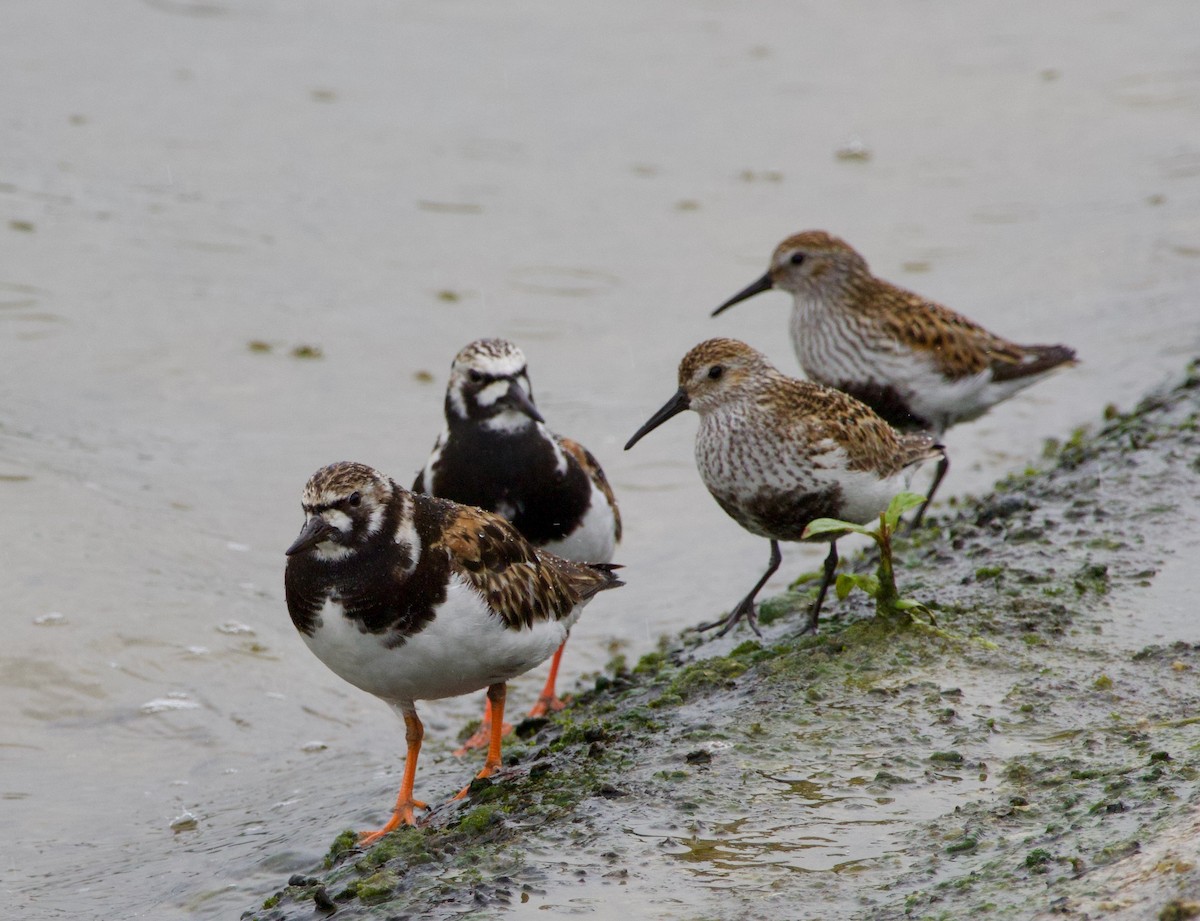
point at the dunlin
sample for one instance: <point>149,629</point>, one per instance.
<point>777,453</point>
<point>916,363</point>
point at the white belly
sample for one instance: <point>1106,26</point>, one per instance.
<point>463,649</point>
<point>594,540</point>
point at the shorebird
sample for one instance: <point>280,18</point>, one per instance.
<point>410,598</point>
<point>918,364</point>
<point>495,452</point>
<point>777,453</point>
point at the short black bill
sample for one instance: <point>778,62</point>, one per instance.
<point>758,287</point>
<point>315,530</point>
<point>673,407</point>
<point>520,399</point>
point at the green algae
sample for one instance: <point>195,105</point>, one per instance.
<point>1009,801</point>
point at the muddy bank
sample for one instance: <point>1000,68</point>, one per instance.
<point>1022,759</point>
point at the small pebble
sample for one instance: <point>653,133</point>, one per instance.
<point>173,701</point>
<point>854,150</point>
<point>322,900</point>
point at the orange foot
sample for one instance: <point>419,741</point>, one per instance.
<point>488,770</point>
<point>481,738</point>
<point>402,816</point>
<point>547,704</point>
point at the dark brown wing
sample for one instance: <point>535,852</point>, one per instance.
<point>521,584</point>
<point>592,468</point>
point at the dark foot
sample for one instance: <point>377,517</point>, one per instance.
<point>726,623</point>
<point>918,520</point>
<point>810,625</point>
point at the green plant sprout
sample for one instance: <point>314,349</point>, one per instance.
<point>881,586</point>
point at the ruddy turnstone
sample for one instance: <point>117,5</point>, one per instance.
<point>777,453</point>
<point>496,453</point>
<point>412,598</point>
<point>916,363</point>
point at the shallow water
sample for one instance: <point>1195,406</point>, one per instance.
<point>385,182</point>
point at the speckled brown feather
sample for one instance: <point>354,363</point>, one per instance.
<point>801,411</point>
<point>957,346</point>
<point>592,468</point>
<point>869,442</point>
<point>520,583</point>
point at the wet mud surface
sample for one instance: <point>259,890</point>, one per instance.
<point>1028,757</point>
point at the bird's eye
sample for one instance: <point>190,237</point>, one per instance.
<point>715,372</point>
<point>355,499</point>
<point>474,376</point>
<point>797,259</point>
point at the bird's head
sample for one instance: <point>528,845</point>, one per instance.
<point>489,385</point>
<point>344,506</point>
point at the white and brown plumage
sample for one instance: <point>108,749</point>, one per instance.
<point>916,363</point>
<point>777,452</point>
<point>495,452</point>
<point>412,598</point>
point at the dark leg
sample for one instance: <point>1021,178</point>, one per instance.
<point>745,607</point>
<point>831,562</point>
<point>942,467</point>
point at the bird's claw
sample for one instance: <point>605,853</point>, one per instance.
<point>402,816</point>
<point>547,704</point>
<point>727,623</point>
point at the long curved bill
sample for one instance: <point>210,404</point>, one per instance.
<point>673,407</point>
<point>520,399</point>
<point>758,287</point>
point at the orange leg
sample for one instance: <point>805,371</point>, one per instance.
<point>405,803</point>
<point>548,701</point>
<point>495,695</point>
<point>483,734</point>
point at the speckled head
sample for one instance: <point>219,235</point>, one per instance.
<point>489,383</point>
<point>344,506</point>
<point>812,263</point>
<point>717,370</point>
<point>713,373</point>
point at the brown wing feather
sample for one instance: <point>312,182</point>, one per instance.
<point>870,442</point>
<point>592,468</point>
<point>958,346</point>
<point>521,584</point>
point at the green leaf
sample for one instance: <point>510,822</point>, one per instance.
<point>822,526</point>
<point>868,584</point>
<point>900,504</point>
<point>849,581</point>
